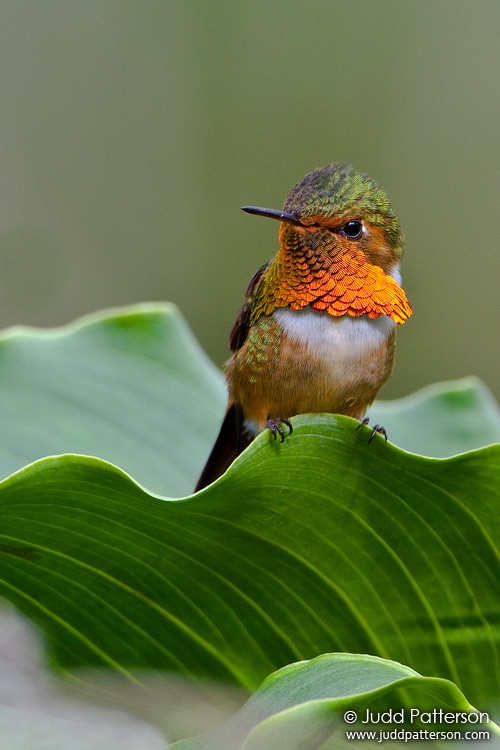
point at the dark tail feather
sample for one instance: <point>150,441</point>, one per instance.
<point>230,442</point>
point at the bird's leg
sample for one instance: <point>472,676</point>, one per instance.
<point>275,427</point>
<point>376,428</point>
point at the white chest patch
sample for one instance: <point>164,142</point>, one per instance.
<point>325,334</point>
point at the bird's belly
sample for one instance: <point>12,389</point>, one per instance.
<point>295,362</point>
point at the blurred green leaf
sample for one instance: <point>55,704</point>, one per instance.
<point>302,705</point>
<point>36,712</point>
<point>443,419</point>
<point>25,728</point>
<point>131,386</point>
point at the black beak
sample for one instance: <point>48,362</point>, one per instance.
<point>272,214</point>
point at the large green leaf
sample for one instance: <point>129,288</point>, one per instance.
<point>319,544</point>
<point>323,543</point>
<point>306,704</point>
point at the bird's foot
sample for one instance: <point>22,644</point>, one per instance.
<point>276,428</point>
<point>377,428</point>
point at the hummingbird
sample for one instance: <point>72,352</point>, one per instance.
<point>316,331</point>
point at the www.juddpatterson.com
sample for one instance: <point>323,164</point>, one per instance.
<point>416,717</point>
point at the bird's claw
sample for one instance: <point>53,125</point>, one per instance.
<point>377,428</point>
<point>275,427</point>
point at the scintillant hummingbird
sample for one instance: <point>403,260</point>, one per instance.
<point>316,332</point>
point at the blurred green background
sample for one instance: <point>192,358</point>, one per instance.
<point>132,132</point>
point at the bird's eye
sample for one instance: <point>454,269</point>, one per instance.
<point>352,229</point>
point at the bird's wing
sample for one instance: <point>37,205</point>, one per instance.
<point>232,438</point>
<point>239,331</point>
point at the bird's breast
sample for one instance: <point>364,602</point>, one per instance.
<point>299,361</point>
<point>332,338</point>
